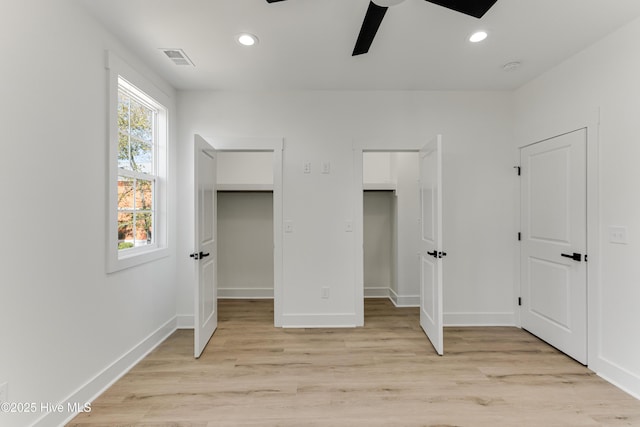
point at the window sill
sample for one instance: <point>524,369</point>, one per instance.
<point>118,262</point>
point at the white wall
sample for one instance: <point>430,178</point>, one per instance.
<point>64,323</point>
<point>245,244</point>
<point>604,76</point>
<point>320,126</point>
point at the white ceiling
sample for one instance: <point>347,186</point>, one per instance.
<point>307,44</point>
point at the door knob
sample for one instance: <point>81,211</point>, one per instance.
<point>433,254</point>
<point>574,256</point>
<point>202,255</point>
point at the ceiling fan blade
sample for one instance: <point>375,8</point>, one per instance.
<point>369,28</point>
<point>475,8</point>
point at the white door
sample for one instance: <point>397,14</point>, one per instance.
<point>205,257</point>
<point>553,259</point>
<point>431,252</point>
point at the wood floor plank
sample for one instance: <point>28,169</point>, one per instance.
<point>384,374</point>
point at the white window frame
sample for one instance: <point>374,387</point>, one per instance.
<point>122,259</point>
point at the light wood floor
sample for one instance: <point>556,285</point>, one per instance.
<point>385,374</point>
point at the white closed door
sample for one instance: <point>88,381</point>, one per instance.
<point>430,246</point>
<point>554,241</point>
<point>205,257</point>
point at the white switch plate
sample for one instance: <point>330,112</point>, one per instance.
<point>288,226</point>
<point>326,167</point>
<point>348,226</point>
<point>618,235</point>
<point>307,167</point>
<point>325,292</point>
<point>4,394</point>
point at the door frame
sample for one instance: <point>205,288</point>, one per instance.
<point>264,144</point>
<point>360,146</point>
<point>590,121</point>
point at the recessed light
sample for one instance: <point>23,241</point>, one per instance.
<point>478,36</point>
<point>247,39</point>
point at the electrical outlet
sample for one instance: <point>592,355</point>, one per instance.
<point>325,293</point>
<point>4,395</point>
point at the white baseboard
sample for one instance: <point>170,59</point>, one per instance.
<point>245,293</point>
<point>479,319</point>
<point>618,376</point>
<point>340,320</point>
<point>184,321</point>
<point>377,292</point>
<point>397,300</point>
<point>404,300</point>
<point>105,379</point>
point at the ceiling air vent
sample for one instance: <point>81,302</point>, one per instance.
<point>178,57</point>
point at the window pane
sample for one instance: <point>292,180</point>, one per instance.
<point>124,152</point>
<point>125,231</point>
<point>141,155</point>
<point>141,121</point>
<point>135,135</point>
<point>144,194</point>
<point>124,156</point>
<point>123,111</point>
<point>141,141</point>
<point>125,193</point>
<point>144,228</point>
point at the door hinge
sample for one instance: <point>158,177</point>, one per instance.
<point>519,169</point>
<point>442,254</point>
<point>195,255</point>
<point>519,301</point>
<point>585,257</point>
<point>519,236</point>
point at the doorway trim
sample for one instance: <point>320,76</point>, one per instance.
<point>590,121</point>
<point>360,146</point>
<point>275,145</point>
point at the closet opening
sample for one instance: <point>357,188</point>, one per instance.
<point>391,227</point>
<point>245,230</point>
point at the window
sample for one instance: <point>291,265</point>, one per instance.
<point>137,169</point>
<point>137,131</point>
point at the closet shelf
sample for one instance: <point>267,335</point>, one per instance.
<point>244,187</point>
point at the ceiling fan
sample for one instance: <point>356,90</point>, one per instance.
<point>377,9</point>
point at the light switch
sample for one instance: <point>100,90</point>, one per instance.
<point>326,167</point>
<point>348,226</point>
<point>618,235</point>
<point>307,167</point>
<point>288,226</point>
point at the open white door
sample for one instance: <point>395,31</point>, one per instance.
<point>554,242</point>
<point>431,252</point>
<point>206,298</point>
